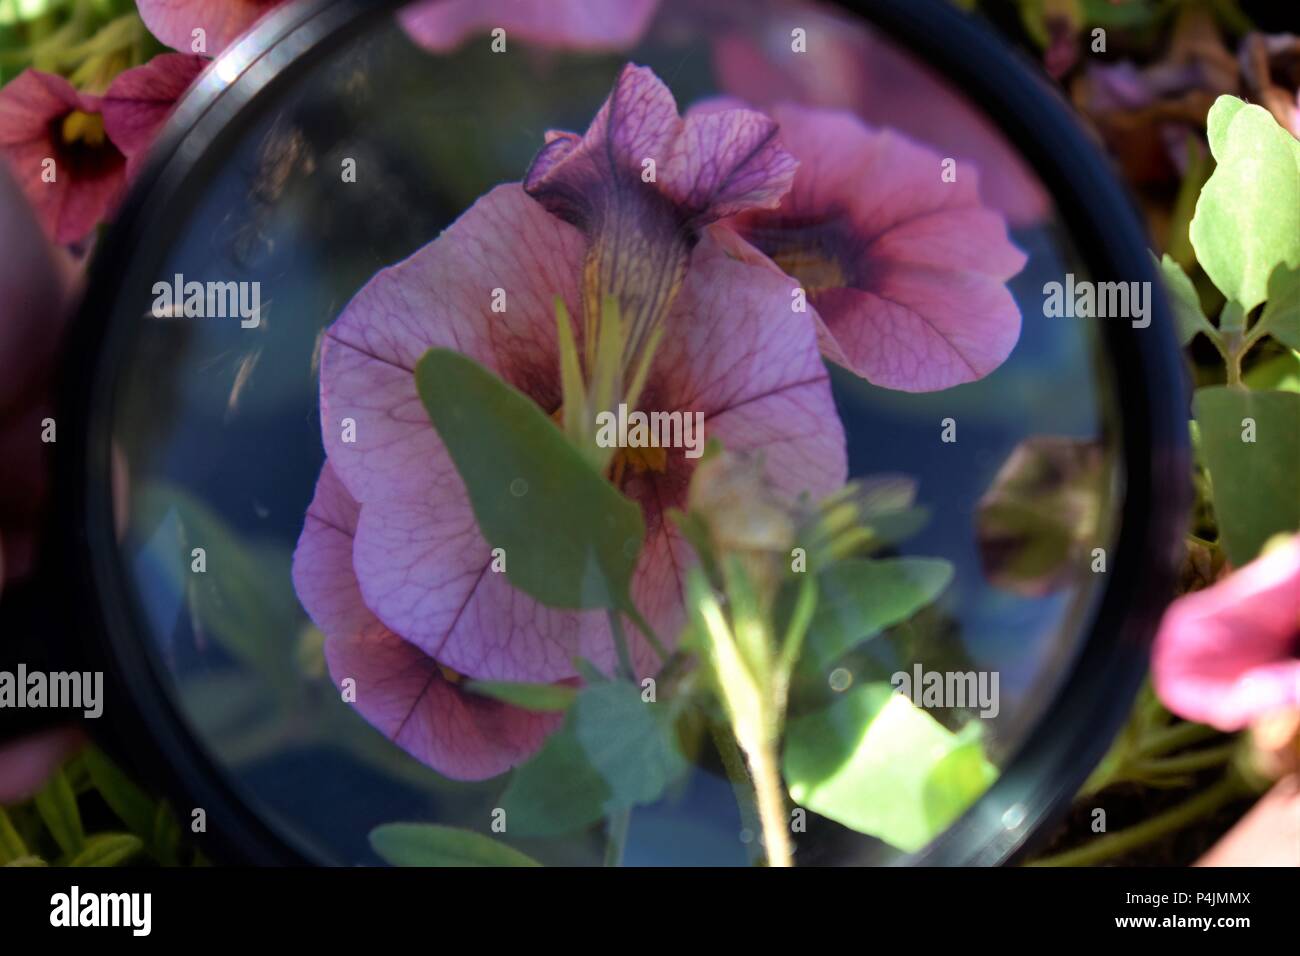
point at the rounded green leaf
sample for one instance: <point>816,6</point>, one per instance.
<point>425,844</point>
<point>571,539</point>
<point>1247,219</point>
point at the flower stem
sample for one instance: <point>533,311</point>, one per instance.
<point>1229,788</point>
<point>1180,735</point>
<point>741,785</point>
<point>1188,762</point>
<point>619,822</point>
<point>620,646</point>
<point>771,805</point>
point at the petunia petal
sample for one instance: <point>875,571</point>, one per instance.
<point>403,692</point>
<point>222,21</point>
<point>906,271</point>
<point>139,101</point>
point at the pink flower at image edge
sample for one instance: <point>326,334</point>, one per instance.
<point>1230,654</point>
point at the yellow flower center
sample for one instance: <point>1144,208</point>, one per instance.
<point>82,127</point>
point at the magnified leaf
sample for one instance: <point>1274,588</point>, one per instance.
<point>1040,514</point>
<point>631,743</point>
<point>571,539</point>
<point>859,598</point>
<point>538,697</point>
<point>423,844</point>
<point>556,792</point>
<point>1247,219</point>
<point>1251,445</point>
<point>875,763</point>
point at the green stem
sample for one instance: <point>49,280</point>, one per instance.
<point>734,764</point>
<point>619,821</point>
<point>1228,788</point>
<point>1174,738</point>
<point>1188,762</point>
<point>620,646</point>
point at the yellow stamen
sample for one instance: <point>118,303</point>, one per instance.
<point>451,676</point>
<point>83,127</point>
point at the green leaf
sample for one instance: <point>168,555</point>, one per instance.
<point>107,849</point>
<point>423,844</point>
<point>165,839</point>
<point>537,697</point>
<point>858,598</point>
<point>556,792</point>
<point>1188,317</point>
<point>631,743</point>
<point>27,861</point>
<point>244,601</point>
<point>1281,316</point>
<point>57,805</point>
<point>1256,487</point>
<point>1247,219</point>
<point>875,763</point>
<point>123,797</point>
<point>571,540</point>
<point>12,846</point>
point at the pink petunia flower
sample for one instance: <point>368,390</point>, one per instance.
<point>731,348</point>
<point>139,101</point>
<point>1230,654</point>
<point>848,67</point>
<point>907,272</point>
<point>54,141</point>
<point>438,25</point>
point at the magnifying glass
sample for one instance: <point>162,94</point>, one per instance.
<point>355,390</point>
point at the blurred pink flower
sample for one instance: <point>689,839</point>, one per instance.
<point>26,764</point>
<point>848,67</point>
<point>408,570</point>
<point>139,101</point>
<point>907,273</point>
<point>442,25</point>
<point>54,141</point>
<point>438,25</point>
<point>1231,653</point>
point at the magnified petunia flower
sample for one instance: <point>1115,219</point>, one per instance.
<point>844,66</point>
<point>907,272</point>
<point>1230,654</point>
<point>54,141</point>
<point>730,347</point>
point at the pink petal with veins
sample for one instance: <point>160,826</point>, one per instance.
<point>399,689</point>
<point>174,21</point>
<point>139,101</point>
<point>906,272</point>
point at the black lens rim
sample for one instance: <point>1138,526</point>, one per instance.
<point>1042,777</point>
